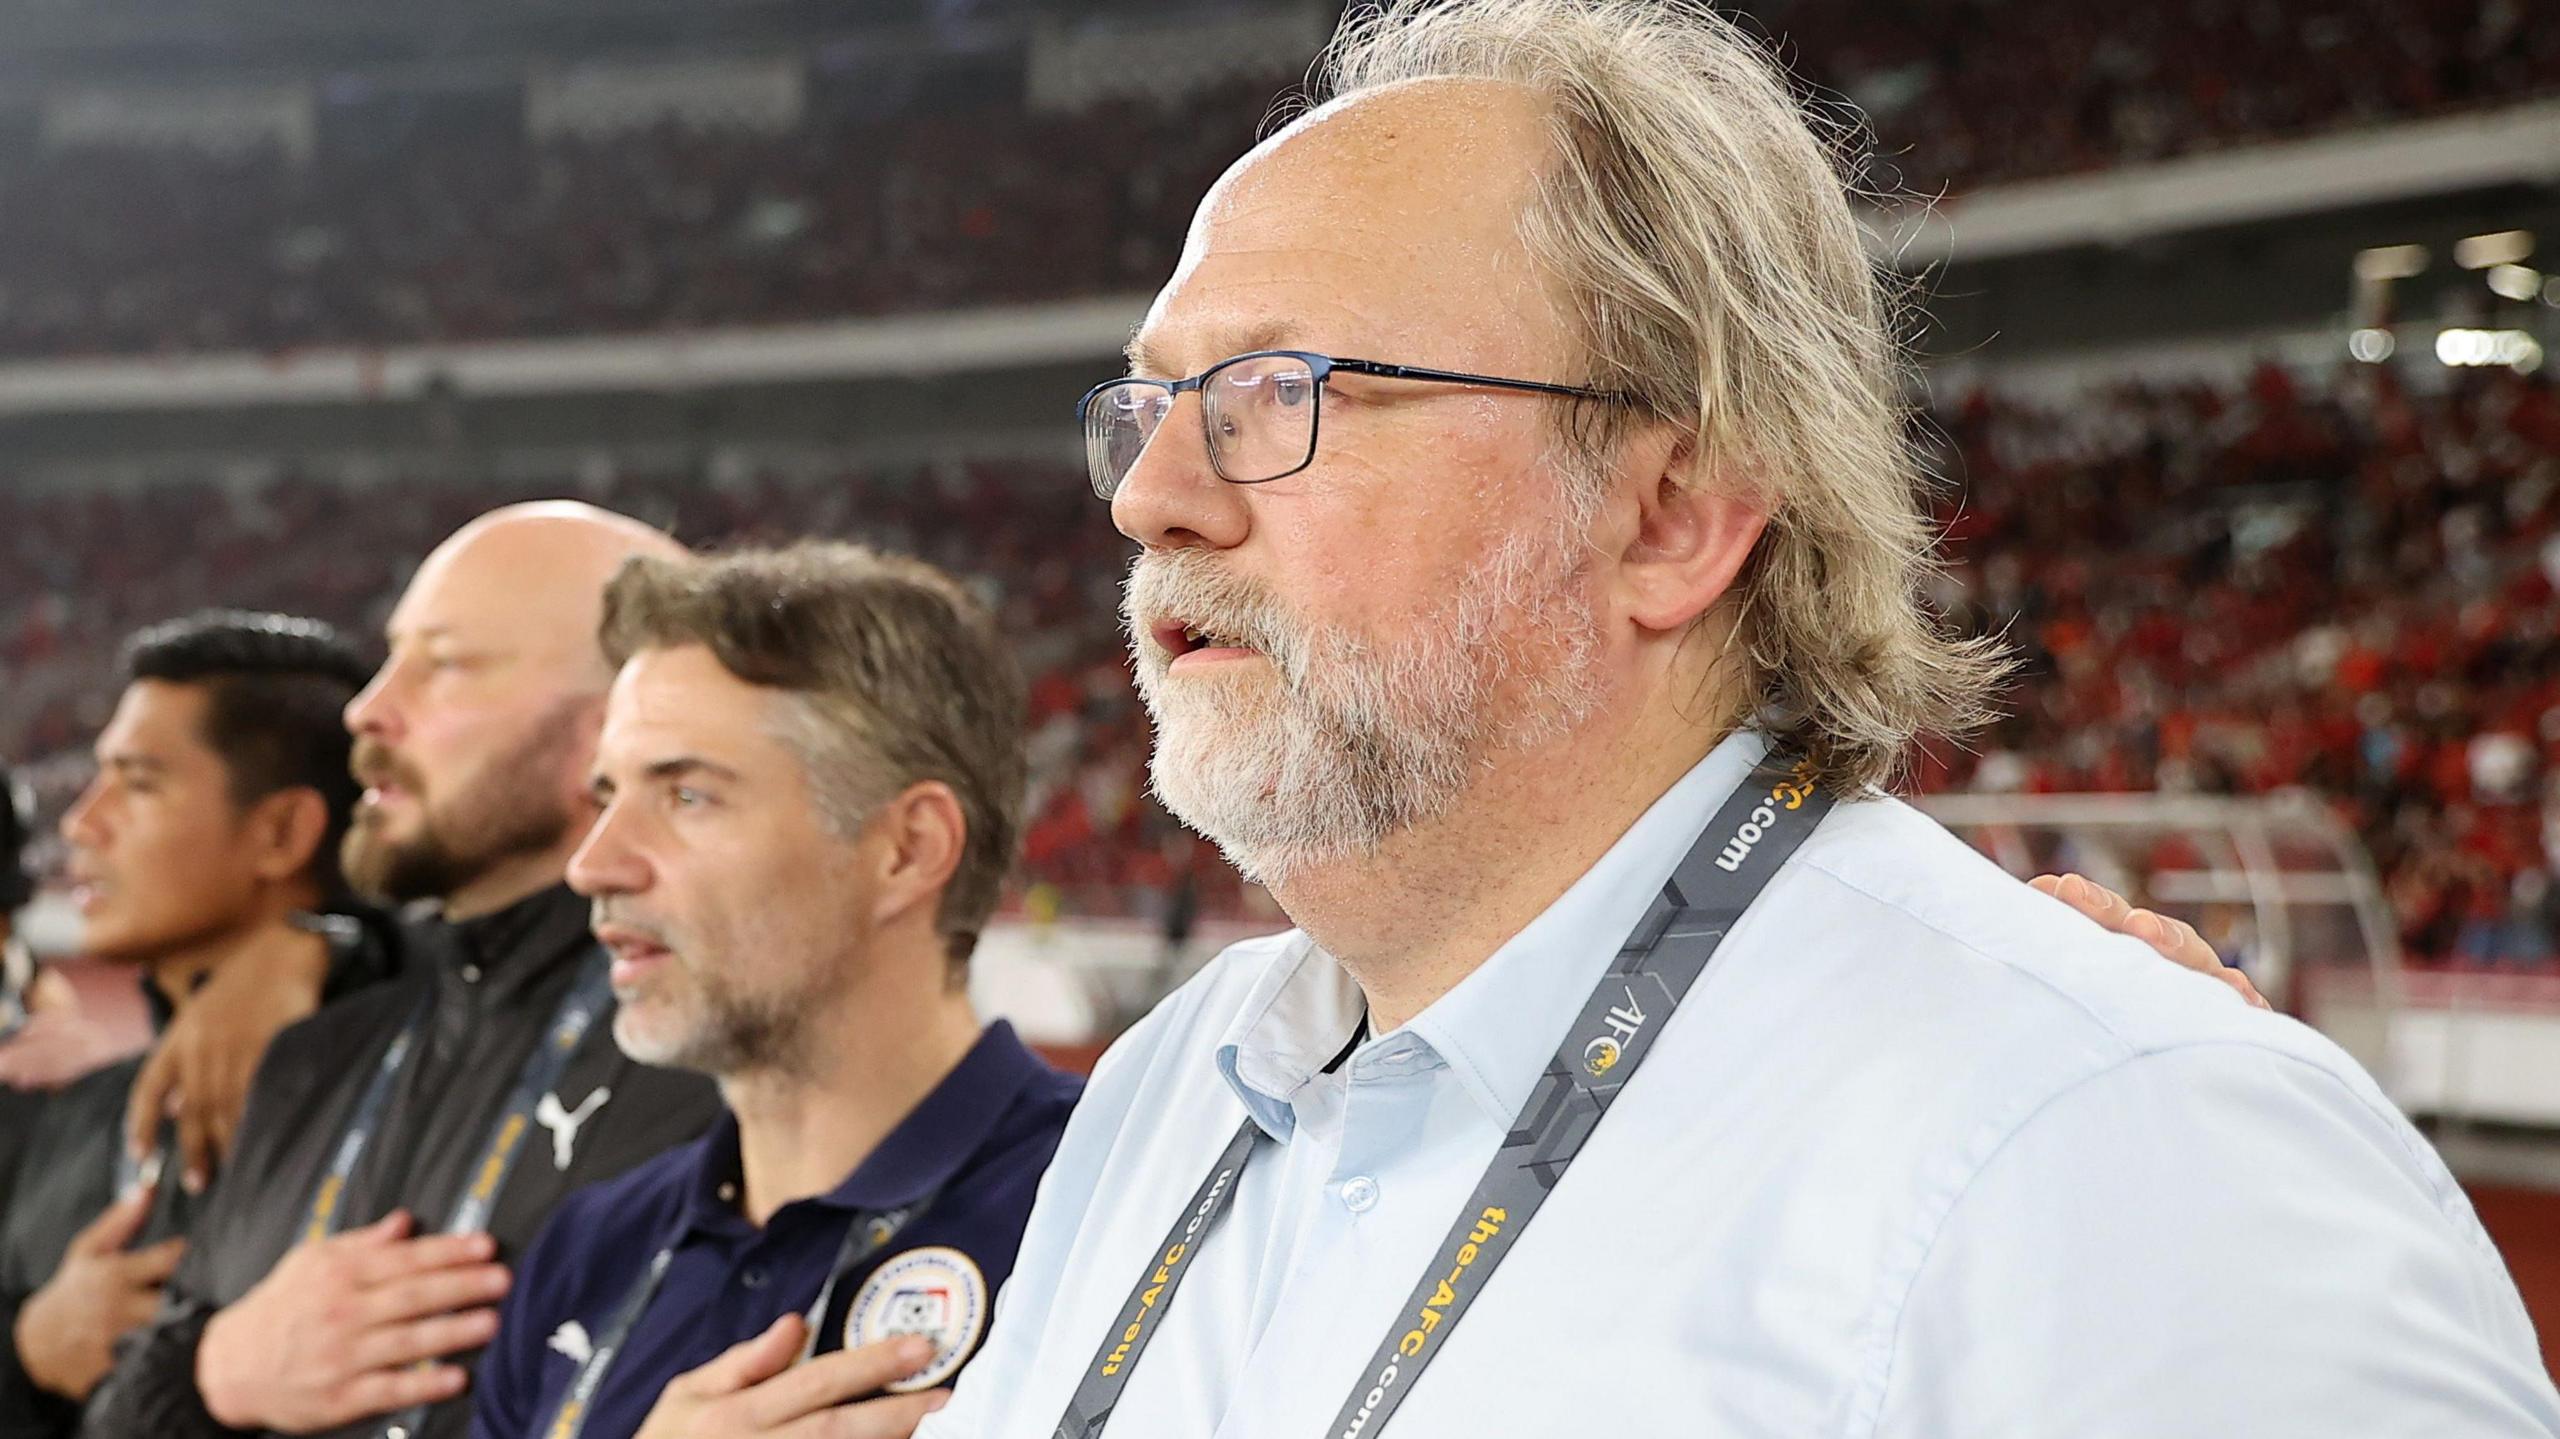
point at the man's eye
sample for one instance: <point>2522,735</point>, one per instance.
<point>685,796</point>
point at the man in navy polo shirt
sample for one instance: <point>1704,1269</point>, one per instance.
<point>811,779</point>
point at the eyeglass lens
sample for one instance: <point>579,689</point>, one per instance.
<point>1260,414</point>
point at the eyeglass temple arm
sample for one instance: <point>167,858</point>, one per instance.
<point>1460,377</point>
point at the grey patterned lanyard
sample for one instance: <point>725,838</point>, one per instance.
<point>1757,828</point>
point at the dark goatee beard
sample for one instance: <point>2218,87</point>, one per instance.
<point>434,865</point>
<point>511,809</point>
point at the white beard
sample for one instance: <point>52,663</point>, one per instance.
<point>1344,741</point>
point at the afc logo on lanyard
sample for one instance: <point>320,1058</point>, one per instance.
<point>937,1292</point>
<point>1602,1055</point>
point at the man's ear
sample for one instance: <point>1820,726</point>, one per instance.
<point>920,836</point>
<point>1694,528</point>
<point>283,832</point>
<point>586,732</point>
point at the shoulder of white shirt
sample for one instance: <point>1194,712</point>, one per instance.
<point>1942,897</point>
<point>2029,998</point>
<point>1943,904</point>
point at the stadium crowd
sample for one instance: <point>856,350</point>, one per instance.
<point>2349,588</point>
<point>2350,591</point>
<point>448,222</point>
<point>1966,93</point>
<point>467,229</point>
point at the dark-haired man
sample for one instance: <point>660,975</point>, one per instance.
<point>397,1146</point>
<point>215,815</point>
<point>811,776</point>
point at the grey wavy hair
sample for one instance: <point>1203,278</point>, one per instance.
<point>1702,239</point>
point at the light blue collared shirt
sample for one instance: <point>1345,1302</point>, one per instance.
<point>1925,1153</point>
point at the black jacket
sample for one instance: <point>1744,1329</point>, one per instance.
<point>66,1177</point>
<point>490,986</point>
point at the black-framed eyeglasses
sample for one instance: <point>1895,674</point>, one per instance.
<point>1259,412</point>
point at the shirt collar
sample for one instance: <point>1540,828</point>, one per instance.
<point>917,1158</point>
<point>507,957</point>
<point>504,952</point>
<point>1294,1021</point>
<point>547,922</point>
<point>1500,1025</point>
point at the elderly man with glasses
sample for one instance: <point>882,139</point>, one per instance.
<point>1637,1064</point>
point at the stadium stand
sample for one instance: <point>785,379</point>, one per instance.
<point>409,219</point>
<point>2348,587</point>
<point>2350,591</point>
<point>1974,92</point>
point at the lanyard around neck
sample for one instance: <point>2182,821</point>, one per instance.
<point>589,996</point>
<point>1752,834</point>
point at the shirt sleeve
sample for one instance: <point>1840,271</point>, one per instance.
<point>152,1389</point>
<point>2215,1239</point>
<point>27,1409</point>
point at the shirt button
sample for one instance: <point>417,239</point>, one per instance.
<point>396,1431</point>
<point>753,1277</point>
<point>471,974</point>
<point>728,1194</point>
<point>1359,1194</point>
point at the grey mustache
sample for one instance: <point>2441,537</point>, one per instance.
<point>1188,588</point>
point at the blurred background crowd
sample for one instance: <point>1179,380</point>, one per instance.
<point>409,215</point>
<point>2211,472</point>
<point>2335,585</point>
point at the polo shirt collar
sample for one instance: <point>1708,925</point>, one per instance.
<point>918,1157</point>
<point>1498,1027</point>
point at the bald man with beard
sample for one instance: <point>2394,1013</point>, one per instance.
<point>401,1146</point>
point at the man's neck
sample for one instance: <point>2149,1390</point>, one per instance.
<point>1435,901</point>
<point>177,972</point>
<point>506,882</point>
<point>803,1129</point>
